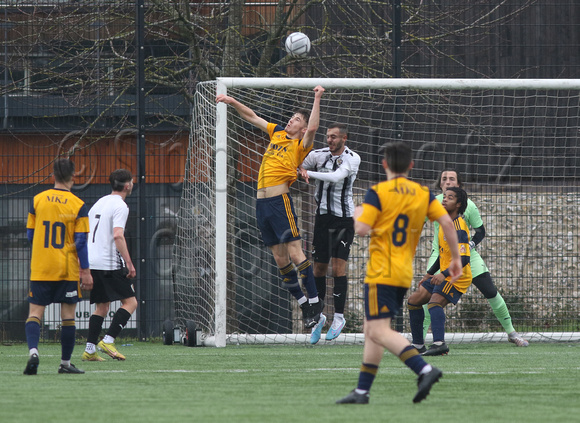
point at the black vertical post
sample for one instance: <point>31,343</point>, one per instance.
<point>397,115</point>
<point>141,264</point>
<point>397,59</point>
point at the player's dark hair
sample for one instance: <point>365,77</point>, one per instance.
<point>448,169</point>
<point>119,178</point>
<point>461,198</point>
<point>342,128</point>
<point>305,113</point>
<point>64,169</point>
<point>399,156</point>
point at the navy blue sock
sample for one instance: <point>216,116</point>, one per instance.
<point>290,281</point>
<point>67,338</point>
<point>437,322</point>
<point>410,356</point>
<point>32,330</point>
<point>416,317</point>
<point>307,276</point>
<point>367,375</point>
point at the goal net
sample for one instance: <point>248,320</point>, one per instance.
<point>514,142</point>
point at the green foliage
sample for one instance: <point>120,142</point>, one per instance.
<point>157,383</point>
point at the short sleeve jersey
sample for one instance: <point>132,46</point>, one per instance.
<point>473,219</point>
<point>396,211</point>
<point>281,159</point>
<point>334,198</point>
<point>445,253</point>
<point>56,215</point>
<point>107,213</point>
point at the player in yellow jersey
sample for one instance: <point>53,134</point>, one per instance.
<point>438,290</point>
<point>57,227</point>
<point>275,213</point>
<point>393,214</point>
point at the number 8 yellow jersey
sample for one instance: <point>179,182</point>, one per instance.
<point>396,211</point>
<point>55,215</point>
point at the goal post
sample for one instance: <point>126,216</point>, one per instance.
<point>513,141</point>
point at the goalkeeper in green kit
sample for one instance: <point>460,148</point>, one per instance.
<point>481,277</point>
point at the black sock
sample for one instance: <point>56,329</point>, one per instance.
<point>95,326</point>
<point>120,319</point>
<point>320,286</point>
<point>340,289</point>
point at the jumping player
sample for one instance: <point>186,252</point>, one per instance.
<point>275,213</point>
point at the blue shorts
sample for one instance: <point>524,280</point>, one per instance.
<point>383,301</point>
<point>277,220</point>
<point>446,289</point>
<point>48,292</point>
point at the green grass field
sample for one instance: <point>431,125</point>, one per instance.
<point>157,383</point>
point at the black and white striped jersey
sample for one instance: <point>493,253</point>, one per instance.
<point>335,177</point>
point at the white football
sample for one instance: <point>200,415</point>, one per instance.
<point>297,44</point>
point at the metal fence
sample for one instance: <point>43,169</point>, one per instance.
<point>110,83</point>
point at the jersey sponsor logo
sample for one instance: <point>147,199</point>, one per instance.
<point>277,147</point>
<point>56,199</point>
<point>403,189</point>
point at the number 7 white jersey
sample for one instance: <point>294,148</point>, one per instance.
<point>107,213</point>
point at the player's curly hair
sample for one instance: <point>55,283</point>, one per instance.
<point>461,198</point>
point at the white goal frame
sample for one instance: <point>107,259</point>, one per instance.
<point>220,338</point>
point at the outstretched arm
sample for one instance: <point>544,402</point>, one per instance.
<point>244,111</point>
<point>314,120</point>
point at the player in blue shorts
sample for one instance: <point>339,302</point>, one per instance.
<point>57,228</point>
<point>481,276</point>
<point>438,290</point>
<point>393,213</point>
<point>275,213</point>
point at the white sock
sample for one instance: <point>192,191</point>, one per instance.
<point>338,316</point>
<point>313,300</point>
<point>418,346</point>
<point>90,348</point>
<point>108,339</point>
<point>302,300</point>
<point>426,369</point>
<point>33,351</point>
<point>65,362</point>
<point>361,391</point>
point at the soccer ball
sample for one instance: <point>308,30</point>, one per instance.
<point>297,44</point>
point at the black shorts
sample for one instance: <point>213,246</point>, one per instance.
<point>111,285</point>
<point>333,237</point>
